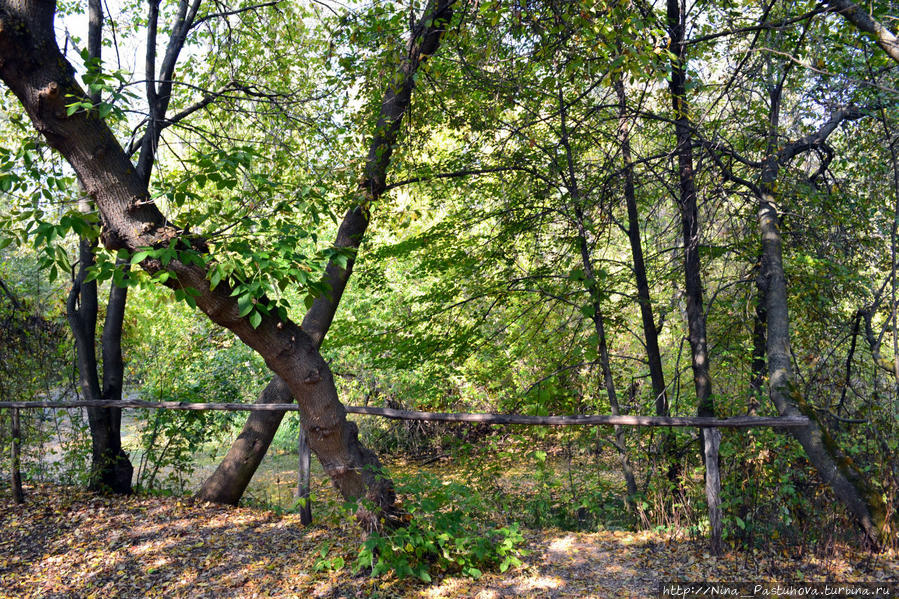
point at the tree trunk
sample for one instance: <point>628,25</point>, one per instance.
<point>759,339</point>
<point>849,485</point>
<point>692,274</point>
<point>228,483</point>
<point>712,488</point>
<point>593,289</point>
<point>837,470</point>
<point>110,468</point>
<point>304,472</point>
<point>15,469</point>
<point>117,474</point>
<point>603,352</point>
<point>650,334</point>
<point>863,21</point>
<point>32,66</point>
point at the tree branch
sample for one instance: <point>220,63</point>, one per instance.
<point>865,22</point>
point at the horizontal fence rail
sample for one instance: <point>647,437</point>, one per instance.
<point>303,482</point>
<point>735,422</point>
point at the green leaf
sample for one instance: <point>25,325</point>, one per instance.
<point>140,256</point>
<point>244,305</point>
<point>255,319</point>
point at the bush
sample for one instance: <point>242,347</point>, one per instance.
<point>444,534</point>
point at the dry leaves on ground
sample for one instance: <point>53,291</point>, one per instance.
<point>66,542</point>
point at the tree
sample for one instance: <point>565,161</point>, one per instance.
<point>40,77</point>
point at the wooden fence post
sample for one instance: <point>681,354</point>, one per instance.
<point>303,479</point>
<point>712,441</point>
<point>17,494</point>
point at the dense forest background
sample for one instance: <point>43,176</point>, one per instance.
<point>538,207</point>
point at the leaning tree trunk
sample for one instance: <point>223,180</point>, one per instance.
<point>32,66</point>
<point>849,485</point>
<point>229,481</point>
<point>696,324</point>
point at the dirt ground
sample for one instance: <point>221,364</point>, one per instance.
<point>66,542</point>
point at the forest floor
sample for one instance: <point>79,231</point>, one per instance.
<point>65,542</point>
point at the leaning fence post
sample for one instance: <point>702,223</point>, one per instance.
<point>17,494</point>
<point>712,441</point>
<point>303,476</point>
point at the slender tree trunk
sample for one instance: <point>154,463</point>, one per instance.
<point>304,472</point>
<point>696,324</point>
<point>650,334</point>
<point>593,289</point>
<point>759,339</point>
<point>118,472</point>
<point>603,352</point>
<point>15,470</point>
<point>228,483</point>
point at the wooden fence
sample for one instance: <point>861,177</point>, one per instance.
<point>303,485</point>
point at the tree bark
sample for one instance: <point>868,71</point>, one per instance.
<point>32,66</point>
<point>228,483</point>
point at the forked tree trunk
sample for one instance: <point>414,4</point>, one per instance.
<point>229,481</point>
<point>32,66</point>
<point>110,468</point>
